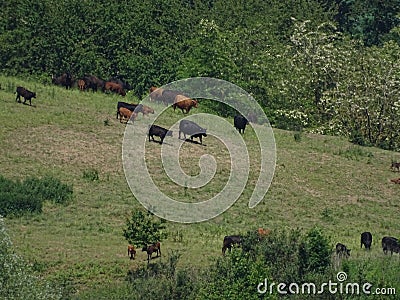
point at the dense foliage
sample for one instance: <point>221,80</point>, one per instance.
<point>253,272</point>
<point>17,279</point>
<point>329,65</point>
<point>18,197</point>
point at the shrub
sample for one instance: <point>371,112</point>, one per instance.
<point>18,197</point>
<point>16,278</point>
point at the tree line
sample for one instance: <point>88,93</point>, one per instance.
<point>331,66</point>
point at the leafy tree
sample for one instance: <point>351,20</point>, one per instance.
<point>144,229</point>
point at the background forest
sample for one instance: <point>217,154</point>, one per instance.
<point>332,66</point>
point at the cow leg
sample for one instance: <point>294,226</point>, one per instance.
<point>18,99</point>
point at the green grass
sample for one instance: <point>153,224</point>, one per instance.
<point>74,136</point>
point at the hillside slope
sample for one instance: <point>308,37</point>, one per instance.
<point>319,180</point>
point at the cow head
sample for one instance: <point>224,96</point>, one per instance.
<point>169,133</point>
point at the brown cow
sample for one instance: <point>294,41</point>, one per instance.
<point>131,251</point>
<point>147,110</point>
<point>114,87</point>
<point>184,103</point>
<point>156,247</point>
<point>126,113</point>
<point>155,93</point>
<point>81,84</point>
<point>262,233</point>
<point>396,180</point>
<point>395,165</point>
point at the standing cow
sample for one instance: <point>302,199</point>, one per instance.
<point>191,128</point>
<point>27,95</point>
<point>240,123</point>
<point>342,250</point>
<point>184,103</point>
<point>366,240</point>
<point>390,244</point>
<point>65,79</point>
<point>155,130</point>
<point>230,241</point>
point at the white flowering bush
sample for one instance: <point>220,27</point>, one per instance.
<point>17,280</point>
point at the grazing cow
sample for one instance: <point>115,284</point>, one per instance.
<point>184,103</point>
<point>169,96</point>
<point>131,252</point>
<point>395,165</point>
<point>230,241</point>
<point>155,93</point>
<point>93,82</point>
<point>366,240</point>
<point>126,86</point>
<point>128,114</point>
<point>114,87</point>
<point>192,129</point>
<point>161,132</point>
<point>156,247</point>
<point>395,180</point>
<point>262,233</point>
<point>147,110</point>
<point>63,80</point>
<point>132,107</point>
<point>390,244</point>
<point>240,123</point>
<point>27,95</point>
<point>342,251</point>
<point>81,84</point>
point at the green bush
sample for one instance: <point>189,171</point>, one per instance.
<point>18,197</point>
<point>17,280</point>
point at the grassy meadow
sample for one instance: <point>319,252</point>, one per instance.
<point>319,181</point>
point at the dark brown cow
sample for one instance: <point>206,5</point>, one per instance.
<point>114,87</point>
<point>156,247</point>
<point>131,251</point>
<point>184,103</point>
<point>230,241</point>
<point>93,82</point>
<point>342,251</point>
<point>395,180</point>
<point>65,79</point>
<point>27,95</point>
<point>394,166</point>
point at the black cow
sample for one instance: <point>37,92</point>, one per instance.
<point>65,79</point>
<point>366,240</point>
<point>390,244</point>
<point>93,82</point>
<point>230,241</point>
<point>28,95</point>
<point>132,107</point>
<point>191,128</point>
<point>342,251</point>
<point>240,123</point>
<point>155,130</point>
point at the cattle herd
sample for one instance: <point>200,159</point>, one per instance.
<point>389,244</point>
